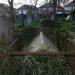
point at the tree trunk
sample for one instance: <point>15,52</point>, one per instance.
<point>54,8</point>
<point>12,60</point>
<point>11,18</point>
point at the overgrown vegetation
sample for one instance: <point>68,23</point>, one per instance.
<point>64,26</point>
<point>73,14</point>
<point>44,65</point>
<point>36,65</point>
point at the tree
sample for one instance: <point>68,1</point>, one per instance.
<point>12,66</point>
<point>74,4</point>
<point>11,10</point>
<point>36,12</point>
<point>54,8</point>
<point>11,17</point>
<point>62,1</point>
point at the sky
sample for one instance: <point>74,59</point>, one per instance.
<point>18,3</point>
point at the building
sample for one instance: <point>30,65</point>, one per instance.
<point>4,21</point>
<point>26,14</point>
<point>68,7</point>
<point>47,10</point>
<point>5,26</point>
<point>4,10</point>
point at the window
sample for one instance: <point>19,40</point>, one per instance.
<point>39,9</point>
<point>44,9</point>
<point>51,9</point>
<point>24,12</point>
<point>19,11</point>
<point>68,8</point>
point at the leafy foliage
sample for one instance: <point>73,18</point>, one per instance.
<point>40,65</point>
<point>43,65</point>
<point>25,34</point>
<point>4,60</point>
<point>36,24</point>
<point>64,26</point>
<point>73,14</point>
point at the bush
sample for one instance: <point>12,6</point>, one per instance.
<point>73,14</point>
<point>64,26</point>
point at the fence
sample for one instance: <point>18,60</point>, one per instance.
<point>37,63</point>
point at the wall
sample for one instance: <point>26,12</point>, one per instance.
<point>4,27</point>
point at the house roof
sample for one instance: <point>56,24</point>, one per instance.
<point>48,5</point>
<point>72,3</point>
<point>4,7</point>
<point>4,10</point>
<point>27,7</point>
